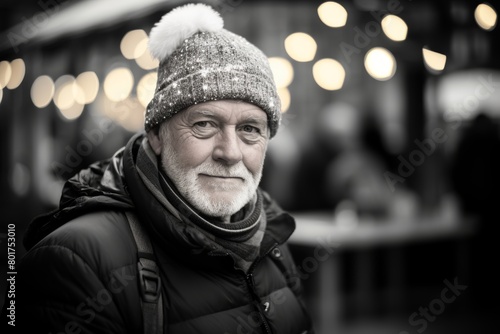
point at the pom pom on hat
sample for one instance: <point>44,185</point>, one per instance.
<point>179,24</point>
<point>201,61</point>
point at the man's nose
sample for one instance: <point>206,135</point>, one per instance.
<point>227,147</point>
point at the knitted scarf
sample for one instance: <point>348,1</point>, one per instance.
<point>240,238</point>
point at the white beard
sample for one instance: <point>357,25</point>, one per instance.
<point>188,185</point>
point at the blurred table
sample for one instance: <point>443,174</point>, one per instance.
<point>323,227</point>
<point>327,233</point>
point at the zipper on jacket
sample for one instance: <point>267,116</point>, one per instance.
<point>251,286</point>
<point>256,301</point>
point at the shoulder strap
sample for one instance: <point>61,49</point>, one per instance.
<point>149,279</point>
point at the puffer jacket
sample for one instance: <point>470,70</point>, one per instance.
<point>80,273</point>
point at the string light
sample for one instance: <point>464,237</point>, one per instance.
<point>332,14</point>
<point>394,27</point>
<point>146,88</point>
<point>5,73</point>
<point>72,112</point>
<point>380,64</point>
<point>133,44</point>
<point>282,71</point>
<point>329,74</point>
<point>486,16</point>
<point>301,47</point>
<point>18,70</point>
<point>434,61</point>
<point>86,87</point>
<point>118,84</point>
<point>42,91</point>
<point>64,96</point>
<point>285,98</point>
<point>146,61</point>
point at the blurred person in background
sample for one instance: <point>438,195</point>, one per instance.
<point>173,234</point>
<point>346,162</point>
<point>476,181</point>
<point>356,173</point>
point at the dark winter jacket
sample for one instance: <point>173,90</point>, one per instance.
<point>80,274</point>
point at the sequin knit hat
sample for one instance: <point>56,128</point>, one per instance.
<point>201,61</point>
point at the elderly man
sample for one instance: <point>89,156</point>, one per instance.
<point>172,234</point>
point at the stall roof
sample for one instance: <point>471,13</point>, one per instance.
<point>55,21</point>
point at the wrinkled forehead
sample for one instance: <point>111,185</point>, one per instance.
<point>236,109</point>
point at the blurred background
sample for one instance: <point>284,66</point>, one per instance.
<point>388,154</point>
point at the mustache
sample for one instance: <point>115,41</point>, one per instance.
<point>237,170</point>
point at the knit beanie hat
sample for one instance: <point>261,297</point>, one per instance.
<point>201,61</point>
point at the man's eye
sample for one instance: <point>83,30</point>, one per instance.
<point>204,128</point>
<point>249,128</point>
<point>202,124</point>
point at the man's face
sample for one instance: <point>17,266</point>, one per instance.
<point>214,153</point>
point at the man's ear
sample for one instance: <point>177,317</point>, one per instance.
<point>154,140</point>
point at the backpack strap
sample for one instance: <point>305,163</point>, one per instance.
<point>149,279</point>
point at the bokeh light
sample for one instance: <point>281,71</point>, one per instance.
<point>486,16</point>
<point>394,27</point>
<point>141,47</point>
<point>5,73</point>
<point>301,47</point>
<point>380,64</point>
<point>87,87</point>
<point>18,71</point>
<point>42,91</point>
<point>329,74</point>
<point>285,98</point>
<point>282,71</point>
<point>146,60</point>
<point>434,61</point>
<point>118,84</point>
<point>146,88</point>
<point>64,96</point>
<point>133,44</point>
<point>72,112</point>
<point>332,14</point>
